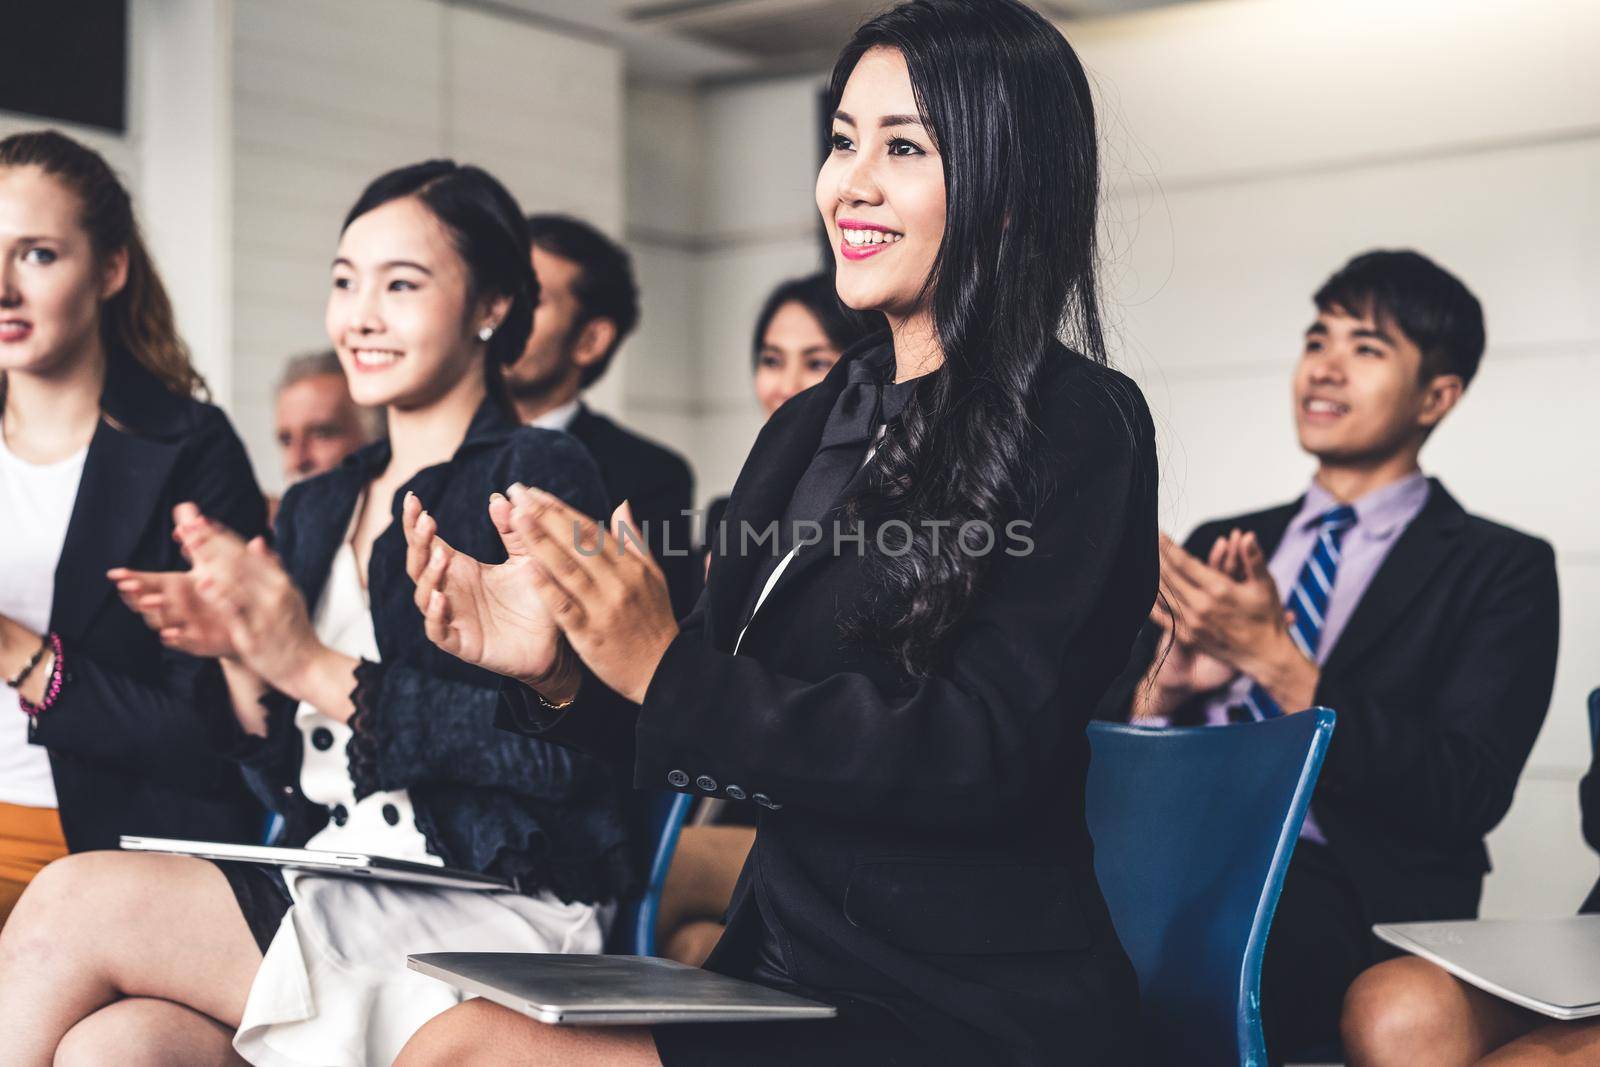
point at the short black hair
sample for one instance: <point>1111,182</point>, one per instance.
<point>481,217</point>
<point>605,288</point>
<point>1428,304</point>
<point>815,293</point>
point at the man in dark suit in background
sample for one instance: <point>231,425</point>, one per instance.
<point>588,304</point>
<point>1430,631</point>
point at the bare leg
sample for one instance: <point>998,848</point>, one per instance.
<point>692,942</point>
<point>480,1033</point>
<point>700,883</point>
<point>1409,1012</point>
<point>99,926</point>
<point>142,1032</point>
<point>1552,1045</point>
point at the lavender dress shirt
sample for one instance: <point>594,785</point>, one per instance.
<point>1381,516</point>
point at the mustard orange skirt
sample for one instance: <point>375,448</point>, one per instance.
<point>29,839</point>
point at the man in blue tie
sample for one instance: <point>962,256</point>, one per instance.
<point>1431,633</point>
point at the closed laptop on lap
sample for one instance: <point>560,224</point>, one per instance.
<point>571,990</point>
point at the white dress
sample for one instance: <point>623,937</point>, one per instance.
<point>333,989</point>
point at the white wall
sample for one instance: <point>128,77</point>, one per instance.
<point>328,96</point>
<point>1253,146</point>
<point>720,209</point>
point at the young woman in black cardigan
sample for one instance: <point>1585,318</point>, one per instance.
<point>361,733</point>
<point>908,721</point>
<point>101,730</point>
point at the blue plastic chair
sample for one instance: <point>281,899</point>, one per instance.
<point>1193,830</point>
<point>658,819</point>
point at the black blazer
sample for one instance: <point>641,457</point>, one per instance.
<point>921,842</point>
<point>1440,682</point>
<point>659,488</point>
<point>128,736</point>
<point>485,800</point>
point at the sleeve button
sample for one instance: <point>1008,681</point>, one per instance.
<point>322,739</point>
<point>391,815</point>
<point>706,782</point>
<point>735,793</point>
<point>677,779</point>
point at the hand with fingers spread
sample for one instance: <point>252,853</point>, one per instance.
<point>170,605</point>
<point>487,615</point>
<point>264,615</point>
<point>602,587</point>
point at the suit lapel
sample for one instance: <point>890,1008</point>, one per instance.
<point>122,483</point>
<point>781,454</point>
<point>1270,526</point>
<point>1416,557</point>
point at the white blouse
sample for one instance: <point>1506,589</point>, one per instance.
<point>36,502</point>
<point>382,823</point>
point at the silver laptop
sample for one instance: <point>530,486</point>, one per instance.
<point>353,864</point>
<point>612,990</point>
<point>1551,966</point>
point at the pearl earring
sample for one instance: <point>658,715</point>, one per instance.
<point>486,333</point>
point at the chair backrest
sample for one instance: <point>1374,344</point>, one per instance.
<point>1193,830</point>
<point>658,817</point>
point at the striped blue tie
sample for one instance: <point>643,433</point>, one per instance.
<point>1308,601</point>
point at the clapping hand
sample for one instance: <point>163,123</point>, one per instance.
<point>247,596</point>
<point>487,615</point>
<point>1182,669</point>
<point>603,589</point>
<point>170,605</point>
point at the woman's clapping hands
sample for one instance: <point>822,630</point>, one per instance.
<point>487,615</point>
<point>566,578</point>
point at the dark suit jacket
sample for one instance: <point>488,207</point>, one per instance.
<point>1589,805</point>
<point>922,843</point>
<point>485,800</point>
<point>659,488</point>
<point>128,737</point>
<point>1440,682</point>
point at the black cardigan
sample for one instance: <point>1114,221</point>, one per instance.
<point>128,735</point>
<point>921,842</point>
<point>485,800</point>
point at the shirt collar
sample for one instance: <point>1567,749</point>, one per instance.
<point>1378,514</point>
<point>558,418</point>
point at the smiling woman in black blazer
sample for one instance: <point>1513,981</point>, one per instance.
<point>100,436</point>
<point>907,711</point>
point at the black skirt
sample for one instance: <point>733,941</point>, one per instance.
<point>861,1035</point>
<point>262,896</point>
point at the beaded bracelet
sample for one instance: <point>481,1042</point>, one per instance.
<point>52,688</point>
<point>16,680</point>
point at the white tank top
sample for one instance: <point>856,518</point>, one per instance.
<point>35,507</point>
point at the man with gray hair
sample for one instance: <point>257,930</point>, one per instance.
<point>317,422</point>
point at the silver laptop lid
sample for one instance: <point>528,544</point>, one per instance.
<point>633,990</point>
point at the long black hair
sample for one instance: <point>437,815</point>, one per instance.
<point>487,229</point>
<point>817,294</point>
<point>1007,103</point>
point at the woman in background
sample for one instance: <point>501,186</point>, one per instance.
<point>908,715</point>
<point>800,333</point>
<point>364,736</point>
<point>101,730</point>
